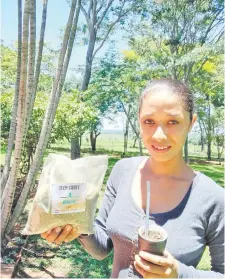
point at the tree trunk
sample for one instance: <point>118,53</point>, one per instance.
<point>8,194</point>
<point>75,148</point>
<point>69,52</point>
<point>34,85</point>
<point>209,147</point>
<point>80,138</point>
<point>186,158</point>
<point>41,45</point>
<point>89,60</point>
<point>220,148</point>
<point>126,135</point>
<point>134,144</point>
<point>201,137</point>
<point>93,141</point>
<point>133,127</point>
<point>209,136</point>
<point>12,130</point>
<point>48,122</point>
<point>31,65</point>
<point>140,146</point>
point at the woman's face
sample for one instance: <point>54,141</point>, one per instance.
<point>164,124</point>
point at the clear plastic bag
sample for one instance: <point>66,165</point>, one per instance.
<point>67,193</point>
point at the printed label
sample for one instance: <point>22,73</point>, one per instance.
<point>68,198</point>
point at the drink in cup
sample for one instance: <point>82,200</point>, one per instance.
<point>154,241</point>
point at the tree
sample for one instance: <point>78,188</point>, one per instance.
<point>209,90</point>
<point>8,156</point>
<point>95,132</point>
<point>67,45</point>
<point>9,190</point>
<point>34,129</point>
<point>218,131</point>
<point>101,19</point>
<point>73,117</point>
<point>177,37</point>
<point>117,83</point>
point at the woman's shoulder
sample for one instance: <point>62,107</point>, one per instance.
<point>208,188</point>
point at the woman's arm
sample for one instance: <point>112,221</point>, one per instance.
<point>99,244</point>
<point>215,241</point>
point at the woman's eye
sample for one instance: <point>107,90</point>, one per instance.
<point>149,121</point>
<point>173,122</point>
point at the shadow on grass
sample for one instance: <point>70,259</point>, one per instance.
<point>82,265</point>
<point>86,266</point>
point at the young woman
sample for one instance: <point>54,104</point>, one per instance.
<point>186,203</point>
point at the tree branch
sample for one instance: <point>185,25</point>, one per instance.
<point>110,28</point>
<point>103,14</point>
<point>89,9</point>
<point>94,14</point>
<point>205,60</point>
<point>105,38</point>
<point>100,7</point>
<point>86,16</point>
<point>210,26</point>
<point>220,34</point>
<point>132,125</point>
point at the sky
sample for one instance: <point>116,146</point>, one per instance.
<point>57,15</point>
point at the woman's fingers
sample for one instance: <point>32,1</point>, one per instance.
<point>144,273</point>
<point>65,231</point>
<point>159,260</point>
<point>73,235</point>
<point>45,234</point>
<point>54,234</point>
<point>150,267</point>
<point>59,234</point>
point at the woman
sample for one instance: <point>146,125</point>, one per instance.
<point>187,204</point>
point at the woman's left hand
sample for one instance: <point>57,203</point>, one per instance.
<point>153,266</point>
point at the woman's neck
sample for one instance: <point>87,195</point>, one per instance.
<point>173,167</point>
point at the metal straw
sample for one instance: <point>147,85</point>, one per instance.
<point>147,208</point>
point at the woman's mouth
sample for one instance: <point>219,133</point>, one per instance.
<point>161,148</point>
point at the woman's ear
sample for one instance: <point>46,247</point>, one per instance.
<point>194,118</point>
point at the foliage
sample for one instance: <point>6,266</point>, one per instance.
<point>48,66</point>
<point>6,110</point>
<point>8,66</point>
<point>73,116</point>
<point>34,128</point>
<point>218,130</point>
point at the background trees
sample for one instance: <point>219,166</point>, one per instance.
<point>180,39</point>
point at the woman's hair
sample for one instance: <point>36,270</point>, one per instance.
<point>176,87</point>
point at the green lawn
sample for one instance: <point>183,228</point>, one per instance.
<point>70,260</point>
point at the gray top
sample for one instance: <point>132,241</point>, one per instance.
<point>196,222</point>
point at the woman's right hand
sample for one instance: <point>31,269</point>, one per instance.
<point>59,234</point>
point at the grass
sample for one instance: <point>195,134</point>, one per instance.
<point>213,171</point>
<point>70,260</point>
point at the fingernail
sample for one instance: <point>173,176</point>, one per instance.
<point>48,232</point>
<point>58,230</point>
<point>68,228</point>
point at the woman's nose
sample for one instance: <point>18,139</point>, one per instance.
<point>159,134</point>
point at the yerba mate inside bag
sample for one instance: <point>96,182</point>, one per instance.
<point>67,193</point>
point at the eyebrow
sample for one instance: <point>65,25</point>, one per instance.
<point>170,114</point>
